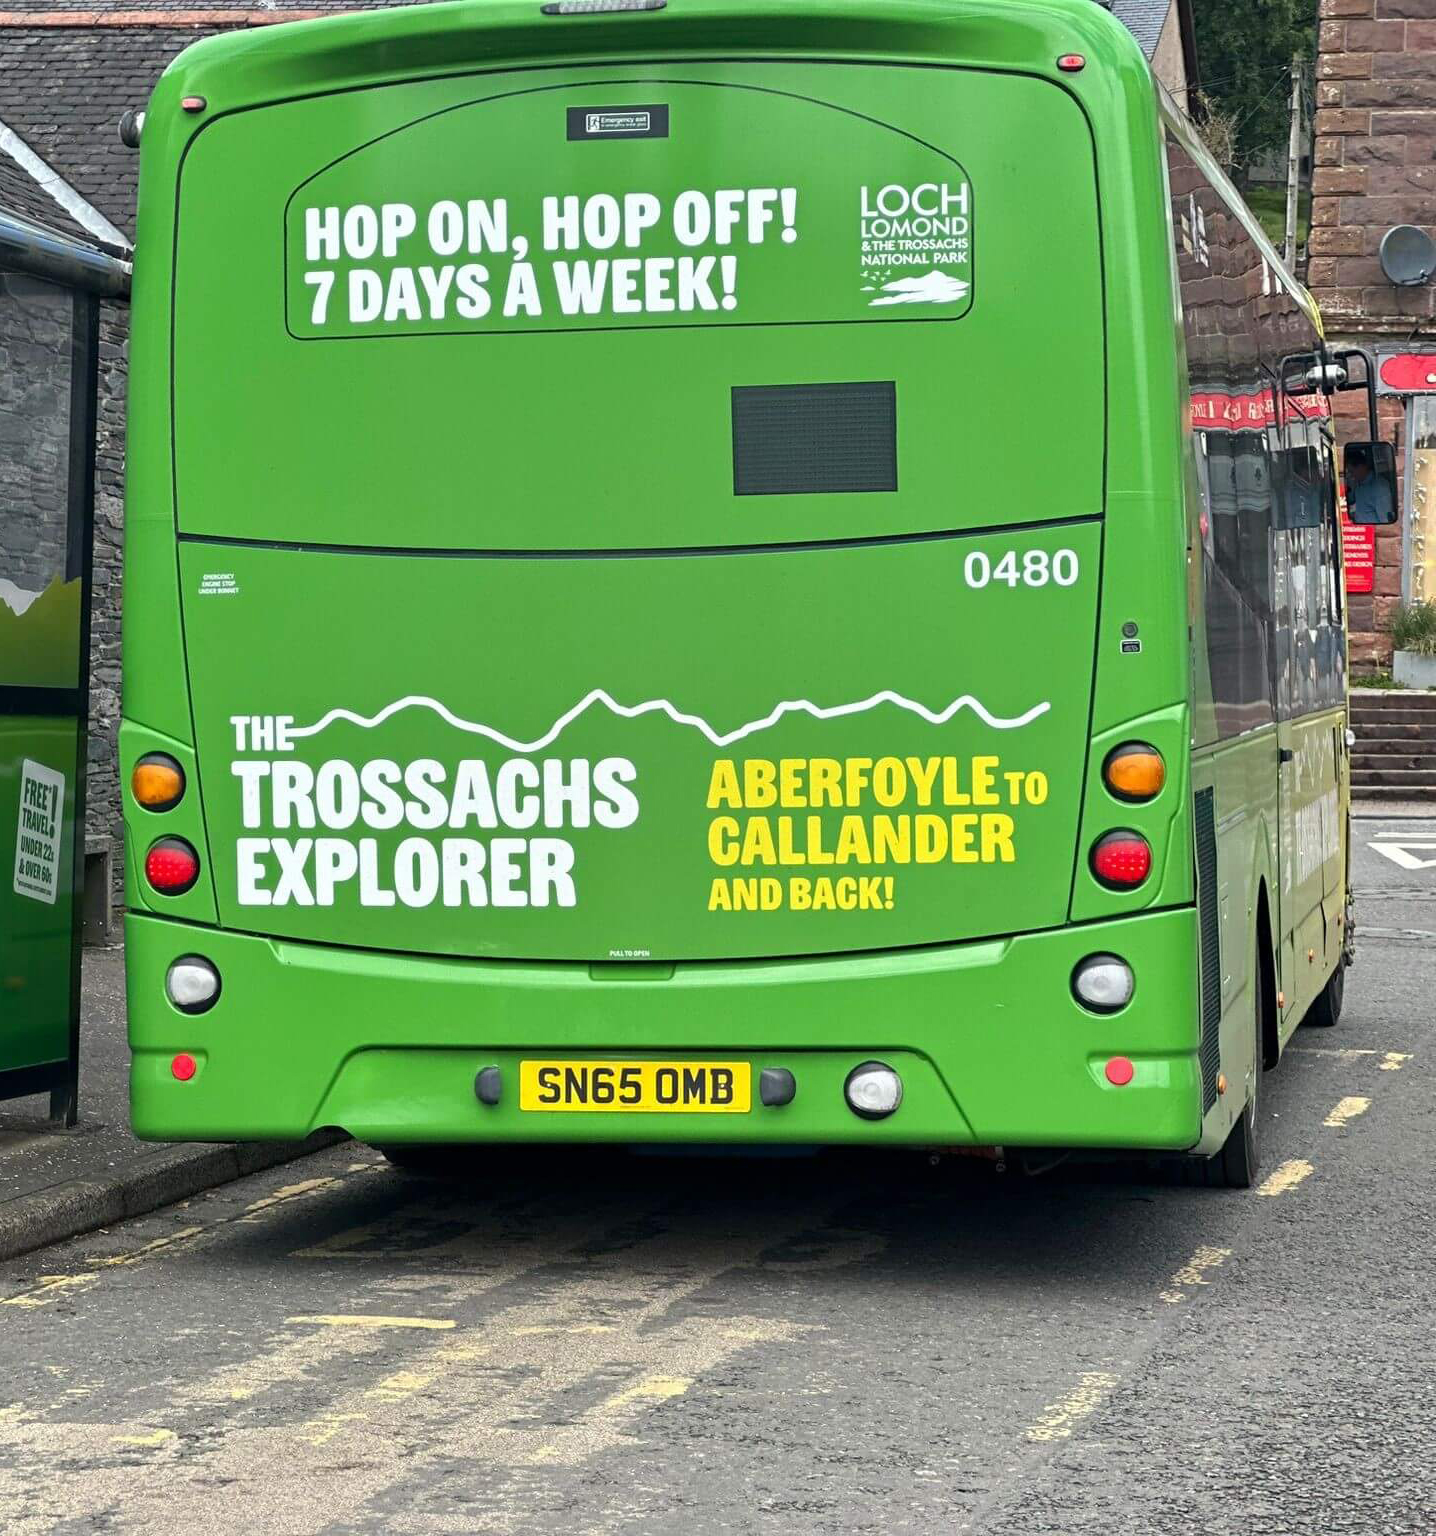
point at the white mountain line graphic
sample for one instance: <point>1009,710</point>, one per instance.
<point>662,706</point>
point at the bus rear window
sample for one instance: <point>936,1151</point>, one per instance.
<point>464,327</point>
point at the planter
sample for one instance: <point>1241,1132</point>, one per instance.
<point>1413,670</point>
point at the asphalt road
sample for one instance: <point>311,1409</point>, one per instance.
<point>804,1345</point>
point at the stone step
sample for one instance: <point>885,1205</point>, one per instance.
<point>1384,717</point>
<point>1376,762</point>
<point>1394,698</point>
<point>1420,745</point>
<point>1370,792</point>
<point>1384,730</point>
<point>1411,778</point>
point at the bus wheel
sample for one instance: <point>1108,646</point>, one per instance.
<point>425,1160</point>
<point>1235,1166</point>
<point>1326,1010</point>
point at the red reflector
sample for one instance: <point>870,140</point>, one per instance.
<point>1119,1071</point>
<point>1070,63</point>
<point>184,1066</point>
<point>171,866</point>
<point>193,103</point>
<point>1121,860</point>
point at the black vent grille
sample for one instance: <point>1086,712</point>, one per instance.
<point>1209,917</point>
<point>793,439</point>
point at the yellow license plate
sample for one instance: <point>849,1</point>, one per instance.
<point>640,1087</point>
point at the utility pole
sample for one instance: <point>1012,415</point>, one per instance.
<point>1293,165</point>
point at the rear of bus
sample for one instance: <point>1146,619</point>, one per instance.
<point>652,608</point>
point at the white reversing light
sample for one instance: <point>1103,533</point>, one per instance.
<point>192,984</point>
<point>873,1090</point>
<point>1103,983</point>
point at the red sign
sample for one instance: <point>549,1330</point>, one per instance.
<point>1409,373</point>
<point>1358,553</point>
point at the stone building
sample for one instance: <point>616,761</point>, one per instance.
<point>1374,169</point>
<point>66,77</point>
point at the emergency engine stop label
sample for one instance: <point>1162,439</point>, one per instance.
<point>469,221</point>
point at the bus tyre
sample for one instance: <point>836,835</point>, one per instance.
<point>1235,1166</point>
<point>424,1160</point>
<point>1326,1010</point>
<point>471,1162</point>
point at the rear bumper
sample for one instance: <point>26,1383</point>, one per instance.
<point>989,1042</point>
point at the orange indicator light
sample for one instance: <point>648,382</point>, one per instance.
<point>157,782</point>
<point>1134,771</point>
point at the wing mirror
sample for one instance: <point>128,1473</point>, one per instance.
<point>1368,476</point>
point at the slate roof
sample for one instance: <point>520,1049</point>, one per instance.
<point>1144,19</point>
<point>22,197</point>
<point>63,89</point>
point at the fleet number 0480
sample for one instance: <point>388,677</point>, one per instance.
<point>1035,568</point>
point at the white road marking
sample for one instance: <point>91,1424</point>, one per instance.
<point>1391,1061</point>
<point>1341,1052</point>
<point>1400,853</point>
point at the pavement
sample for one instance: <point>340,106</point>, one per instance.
<point>57,1182</point>
<point>591,1343</point>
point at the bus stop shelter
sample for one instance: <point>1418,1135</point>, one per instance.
<point>50,290</point>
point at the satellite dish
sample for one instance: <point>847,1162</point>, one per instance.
<point>1408,255</point>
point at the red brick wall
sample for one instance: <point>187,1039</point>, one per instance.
<point>1374,166</point>
<point>1375,157</point>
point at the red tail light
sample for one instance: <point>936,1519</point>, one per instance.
<point>171,866</point>
<point>1121,860</point>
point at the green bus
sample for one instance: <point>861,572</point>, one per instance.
<point>684,583</point>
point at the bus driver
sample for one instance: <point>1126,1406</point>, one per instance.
<point>1368,495</point>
